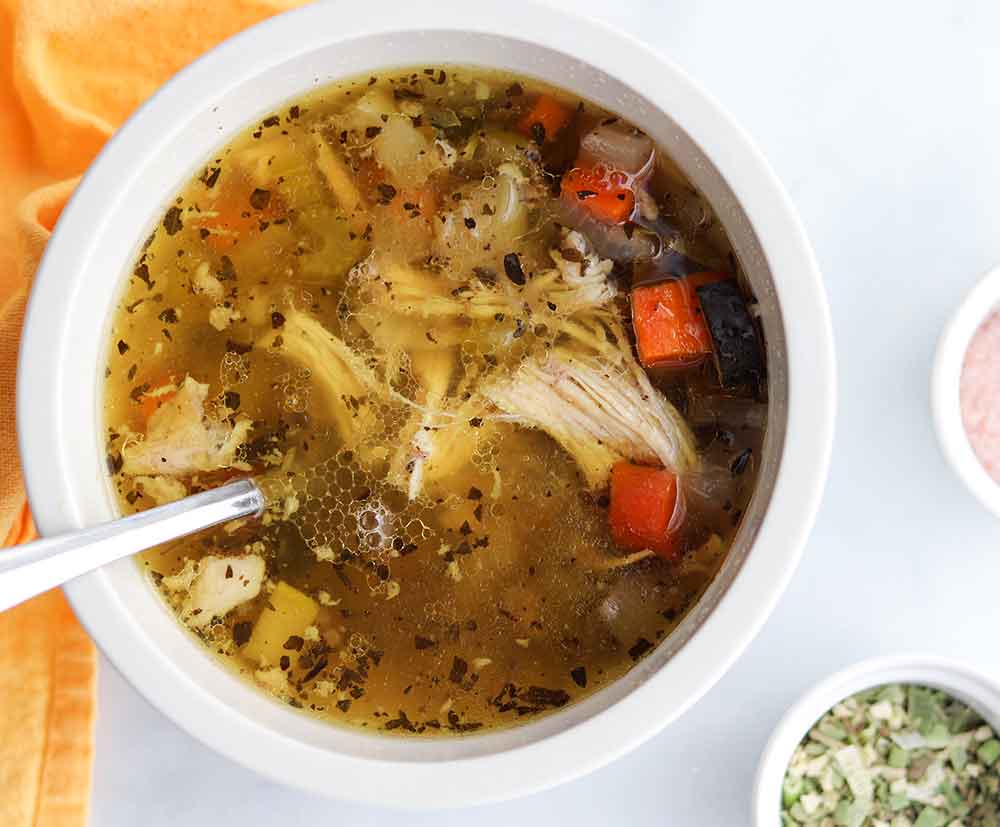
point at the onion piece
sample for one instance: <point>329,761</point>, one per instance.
<point>611,241</point>
<point>623,149</point>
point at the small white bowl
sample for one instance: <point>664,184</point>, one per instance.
<point>973,688</point>
<point>945,377</point>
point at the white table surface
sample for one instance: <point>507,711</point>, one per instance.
<point>883,121</point>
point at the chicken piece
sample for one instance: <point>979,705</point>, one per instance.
<point>216,585</point>
<point>182,580</point>
<point>221,316</point>
<point>204,283</point>
<point>486,221</point>
<point>584,275</point>
<point>578,283</point>
<point>163,490</point>
<point>599,412</point>
<point>408,291</point>
<point>181,439</point>
<point>347,384</point>
<point>433,369</point>
<point>222,584</point>
<point>573,297</point>
<point>338,176</point>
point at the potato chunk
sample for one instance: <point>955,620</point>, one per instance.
<point>292,612</point>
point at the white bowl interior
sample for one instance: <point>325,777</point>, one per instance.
<point>95,245</point>
<point>967,685</point>
<point>946,376</point>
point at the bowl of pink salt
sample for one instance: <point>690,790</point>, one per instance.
<point>965,391</point>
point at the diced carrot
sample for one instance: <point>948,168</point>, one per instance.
<point>232,217</point>
<point>668,321</point>
<point>548,114</point>
<point>602,192</point>
<point>229,223</point>
<point>149,402</point>
<point>148,405</point>
<point>643,500</point>
<point>423,202</point>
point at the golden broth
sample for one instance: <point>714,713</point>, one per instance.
<point>342,304</point>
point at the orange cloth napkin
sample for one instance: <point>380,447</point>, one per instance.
<point>70,72</point>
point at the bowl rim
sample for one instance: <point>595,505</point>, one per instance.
<point>969,685</point>
<point>723,635</point>
<point>946,404</point>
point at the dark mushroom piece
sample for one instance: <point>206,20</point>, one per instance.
<point>738,356</point>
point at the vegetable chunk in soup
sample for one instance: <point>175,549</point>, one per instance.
<point>492,360</point>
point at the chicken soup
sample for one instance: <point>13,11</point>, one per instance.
<point>493,362</point>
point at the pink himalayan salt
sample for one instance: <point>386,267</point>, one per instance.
<point>979,391</point>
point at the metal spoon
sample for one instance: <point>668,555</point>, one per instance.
<point>33,568</point>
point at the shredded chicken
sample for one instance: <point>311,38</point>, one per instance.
<point>572,286</point>
<point>433,369</point>
<point>216,585</point>
<point>574,298</point>
<point>348,385</point>
<point>585,282</point>
<point>338,176</point>
<point>599,413</point>
<point>221,316</point>
<point>204,283</point>
<point>181,438</point>
<point>163,490</point>
<point>182,580</point>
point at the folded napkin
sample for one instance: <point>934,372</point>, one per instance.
<point>72,71</point>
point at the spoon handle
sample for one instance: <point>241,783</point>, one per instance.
<point>33,568</point>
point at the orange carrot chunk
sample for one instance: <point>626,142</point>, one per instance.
<point>227,225</point>
<point>643,500</point>
<point>150,403</point>
<point>668,321</point>
<point>545,119</point>
<point>237,215</point>
<point>603,192</point>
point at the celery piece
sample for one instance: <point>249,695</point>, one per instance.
<point>959,757</point>
<point>963,718</point>
<point>939,737</point>
<point>791,789</point>
<point>989,752</point>
<point>333,244</point>
<point>275,164</point>
<point>858,812</point>
<point>899,758</point>
<point>832,729</point>
<point>952,796</point>
<point>897,802</point>
<point>893,693</point>
<point>924,708</point>
<point>930,817</point>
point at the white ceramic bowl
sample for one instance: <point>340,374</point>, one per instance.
<point>945,378</point>
<point>111,213</point>
<point>973,688</point>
